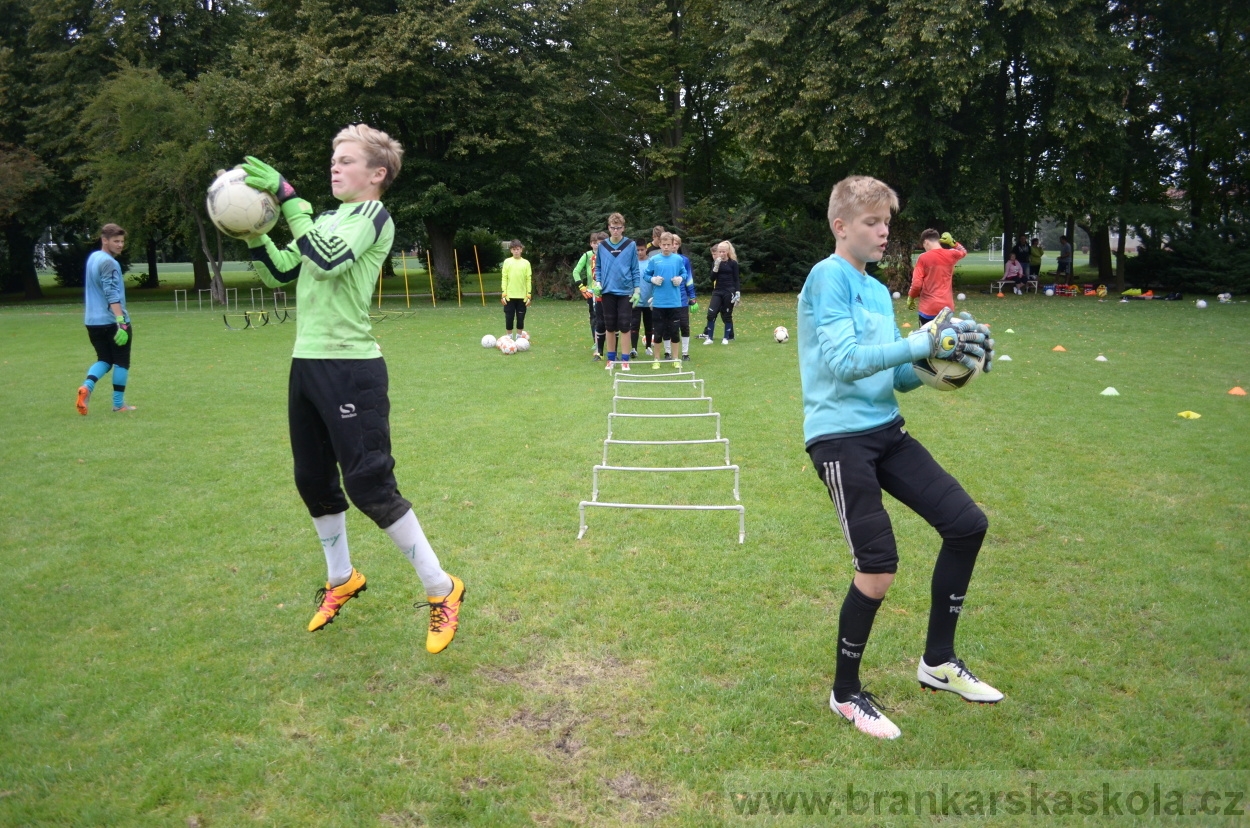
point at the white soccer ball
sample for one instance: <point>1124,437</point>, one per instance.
<point>898,295</point>
<point>781,334</point>
<point>523,344</point>
<point>961,297</point>
<point>1050,291</point>
<point>522,335</point>
<point>238,210</point>
<point>488,341</point>
<point>1201,303</point>
<point>943,374</point>
<point>507,345</point>
<point>505,339</point>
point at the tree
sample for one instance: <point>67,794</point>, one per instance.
<point>471,89</point>
<point>150,158</point>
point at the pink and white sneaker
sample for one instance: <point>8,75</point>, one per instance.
<point>864,711</point>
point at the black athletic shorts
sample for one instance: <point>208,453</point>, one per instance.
<point>339,416</point>
<point>668,321</point>
<point>857,469</point>
<point>106,350</point>
<point>618,314</point>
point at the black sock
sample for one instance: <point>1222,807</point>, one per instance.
<point>854,626</point>
<point>951,574</point>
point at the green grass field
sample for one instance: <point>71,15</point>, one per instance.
<point>161,570</point>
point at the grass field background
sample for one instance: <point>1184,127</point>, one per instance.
<point>160,572</point>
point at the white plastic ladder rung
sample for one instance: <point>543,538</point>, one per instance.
<point>741,510</point>
<point>594,485</point>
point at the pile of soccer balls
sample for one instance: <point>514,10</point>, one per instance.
<point>508,344</point>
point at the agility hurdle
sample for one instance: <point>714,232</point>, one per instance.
<point>741,510</point>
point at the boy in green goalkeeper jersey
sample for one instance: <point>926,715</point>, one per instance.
<point>338,407</point>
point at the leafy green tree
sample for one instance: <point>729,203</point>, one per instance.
<point>150,158</point>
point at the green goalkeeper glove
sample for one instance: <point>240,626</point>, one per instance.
<point>596,289</point>
<point>636,299</point>
<point>947,238</point>
<point>694,306</point>
<point>123,332</point>
<point>264,177</point>
<point>911,302</point>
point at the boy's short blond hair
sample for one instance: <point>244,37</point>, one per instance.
<point>676,239</point>
<point>616,218</point>
<point>857,194</point>
<point>666,237</point>
<point>381,150</point>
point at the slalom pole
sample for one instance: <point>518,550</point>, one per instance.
<point>404,261</point>
<point>429,269</point>
<point>480,286</point>
<point>379,288</point>
<point>456,256</point>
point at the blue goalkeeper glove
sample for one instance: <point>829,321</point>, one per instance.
<point>122,336</point>
<point>986,346</point>
<point>264,177</point>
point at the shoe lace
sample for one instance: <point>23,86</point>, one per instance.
<point>438,614</point>
<point>868,704</point>
<point>964,672</point>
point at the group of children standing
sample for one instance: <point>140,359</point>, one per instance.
<point>631,289</point>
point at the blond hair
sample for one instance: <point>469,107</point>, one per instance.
<point>666,237</point>
<point>616,218</point>
<point>857,194</point>
<point>381,150</point>
<point>729,249</point>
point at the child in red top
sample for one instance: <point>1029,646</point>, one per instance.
<point>932,276</point>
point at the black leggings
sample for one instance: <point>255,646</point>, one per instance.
<point>721,303</point>
<point>515,307</point>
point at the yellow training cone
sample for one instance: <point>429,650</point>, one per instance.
<point>1189,415</point>
<point>1059,348</point>
<point>1237,391</point>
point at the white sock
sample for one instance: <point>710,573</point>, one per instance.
<point>685,344</point>
<point>332,530</point>
<point>407,534</point>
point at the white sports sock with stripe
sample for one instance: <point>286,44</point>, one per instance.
<point>411,540</point>
<point>332,530</point>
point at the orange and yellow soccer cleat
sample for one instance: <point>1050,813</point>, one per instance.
<point>84,394</point>
<point>331,599</point>
<point>444,616</point>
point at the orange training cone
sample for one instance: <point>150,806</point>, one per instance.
<point>1237,391</point>
<point>1000,294</point>
<point>1059,348</point>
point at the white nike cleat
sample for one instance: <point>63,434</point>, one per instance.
<point>957,678</point>
<point>862,710</point>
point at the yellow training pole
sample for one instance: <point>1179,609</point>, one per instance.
<point>456,256</point>
<point>480,286</point>
<point>404,261</point>
<point>429,269</point>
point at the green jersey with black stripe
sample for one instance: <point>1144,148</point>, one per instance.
<point>335,261</point>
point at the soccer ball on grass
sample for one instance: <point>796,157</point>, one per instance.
<point>238,210</point>
<point>488,341</point>
<point>523,344</point>
<point>781,334</point>
<point>507,345</point>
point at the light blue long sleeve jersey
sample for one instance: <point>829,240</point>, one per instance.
<point>688,286</point>
<point>104,286</point>
<point>665,294</point>
<point>852,357</point>
<point>617,266</point>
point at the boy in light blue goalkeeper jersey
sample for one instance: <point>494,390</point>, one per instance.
<point>107,321</point>
<point>338,403</point>
<point>663,277</point>
<point>852,359</point>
